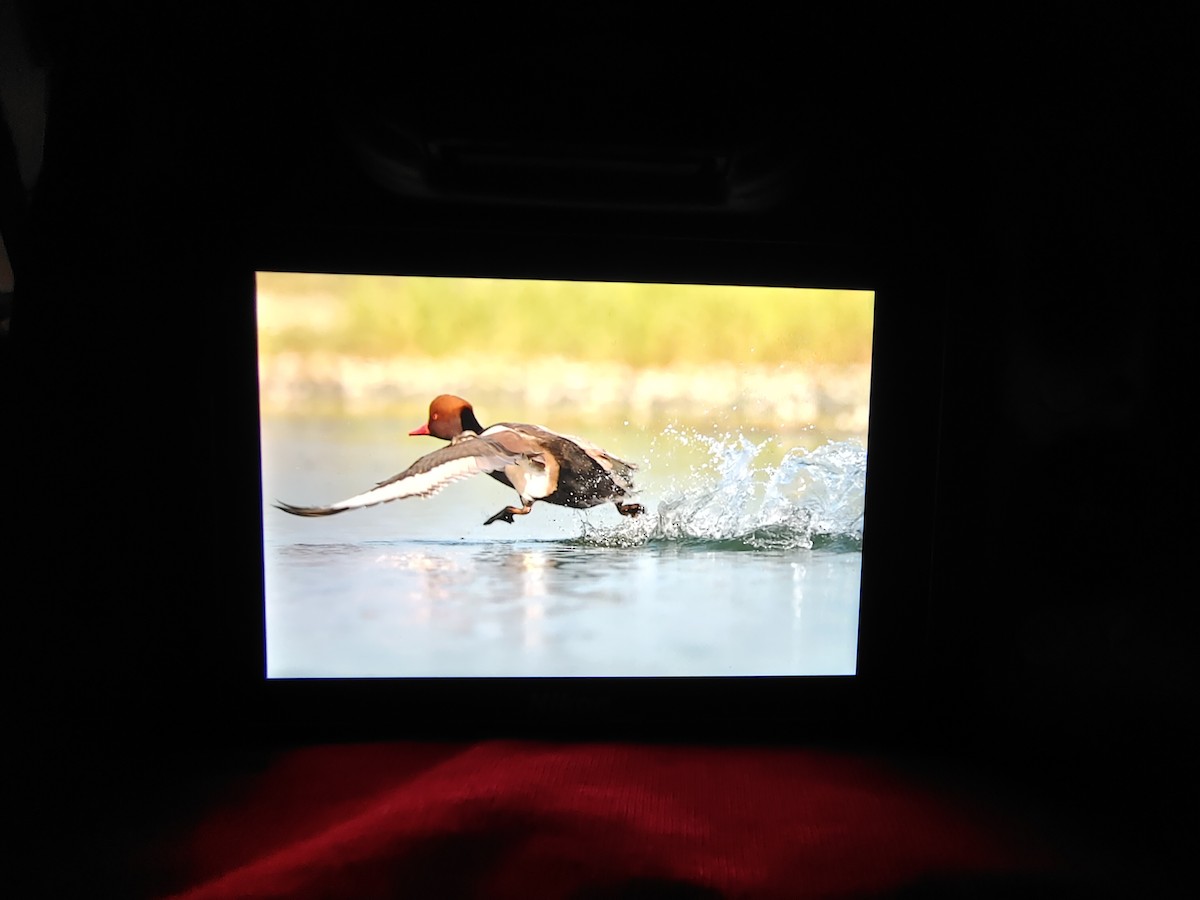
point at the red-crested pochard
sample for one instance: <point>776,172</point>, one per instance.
<point>538,464</point>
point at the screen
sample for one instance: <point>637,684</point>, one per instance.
<point>718,532</point>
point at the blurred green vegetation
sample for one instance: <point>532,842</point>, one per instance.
<point>639,324</point>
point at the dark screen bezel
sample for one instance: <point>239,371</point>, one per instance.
<point>899,540</point>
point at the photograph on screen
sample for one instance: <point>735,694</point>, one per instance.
<point>471,477</point>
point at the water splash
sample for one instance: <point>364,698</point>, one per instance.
<point>741,497</point>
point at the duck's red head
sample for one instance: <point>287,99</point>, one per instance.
<point>449,416</point>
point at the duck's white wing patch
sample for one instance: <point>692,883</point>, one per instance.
<point>424,478</point>
<point>423,484</point>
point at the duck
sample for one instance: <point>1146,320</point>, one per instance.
<point>539,464</point>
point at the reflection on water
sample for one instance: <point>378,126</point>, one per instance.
<point>747,563</point>
<point>560,609</point>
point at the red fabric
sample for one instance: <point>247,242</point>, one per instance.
<point>522,819</point>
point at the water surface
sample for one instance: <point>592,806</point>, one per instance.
<point>747,562</point>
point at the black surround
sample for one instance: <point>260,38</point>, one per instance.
<point>1027,195</point>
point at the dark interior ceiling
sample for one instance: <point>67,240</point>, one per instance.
<point>302,125</point>
<point>296,124</point>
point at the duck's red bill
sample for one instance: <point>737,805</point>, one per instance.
<point>424,429</point>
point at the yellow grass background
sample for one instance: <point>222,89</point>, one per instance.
<point>587,351</point>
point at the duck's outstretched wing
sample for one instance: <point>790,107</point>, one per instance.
<point>466,456</point>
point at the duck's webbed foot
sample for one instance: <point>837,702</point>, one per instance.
<point>630,509</point>
<point>506,514</point>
